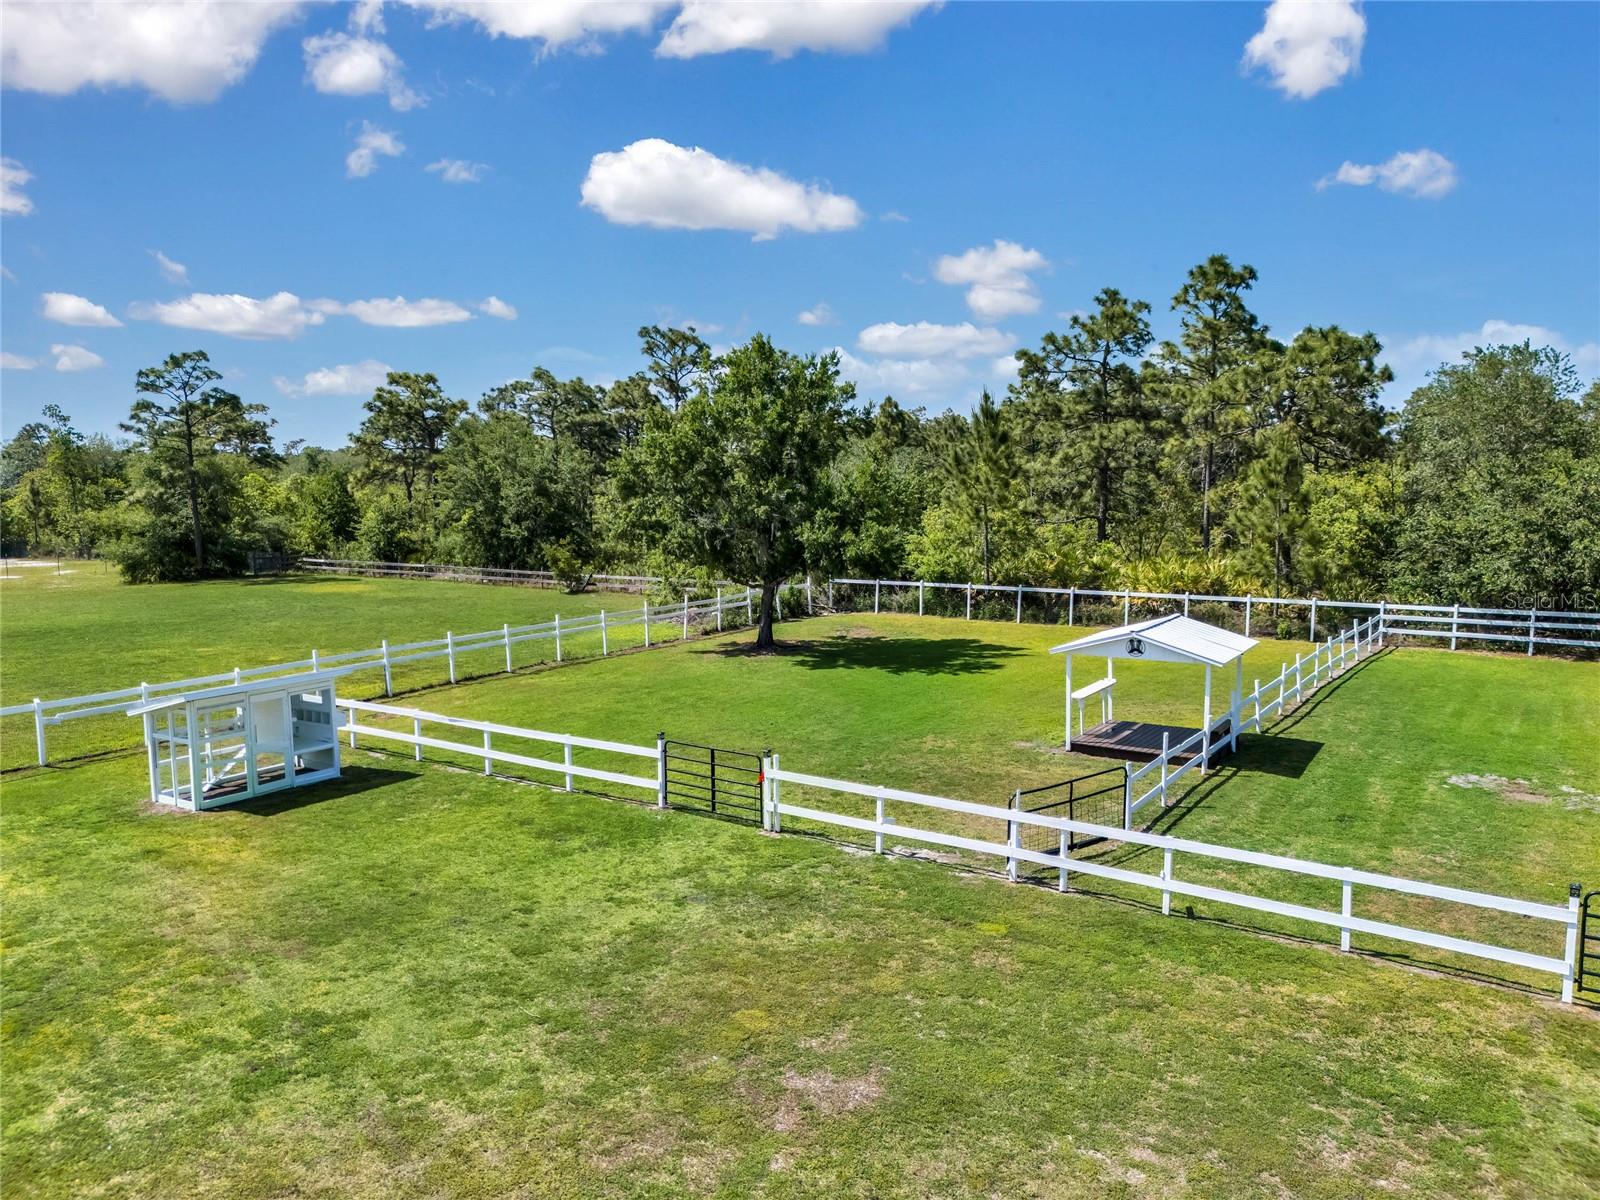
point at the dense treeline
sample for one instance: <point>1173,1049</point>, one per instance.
<point>1224,460</point>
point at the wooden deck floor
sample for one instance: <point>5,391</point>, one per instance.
<point>1139,741</point>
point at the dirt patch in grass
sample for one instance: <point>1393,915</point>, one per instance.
<point>824,1094</point>
<point>1522,791</point>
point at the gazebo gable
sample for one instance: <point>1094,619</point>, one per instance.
<point>1174,638</point>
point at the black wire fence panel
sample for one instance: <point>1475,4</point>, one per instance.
<point>712,779</point>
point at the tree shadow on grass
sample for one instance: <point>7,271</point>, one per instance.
<point>894,655</point>
<point>352,781</point>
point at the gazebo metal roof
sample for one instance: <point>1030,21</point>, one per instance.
<point>1173,638</point>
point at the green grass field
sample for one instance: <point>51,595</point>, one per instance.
<point>422,982</point>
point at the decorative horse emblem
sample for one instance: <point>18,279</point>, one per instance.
<point>1135,646</point>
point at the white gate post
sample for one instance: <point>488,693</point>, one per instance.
<point>1061,881</point>
<point>661,770</point>
<point>604,647</point>
<point>777,797</point>
<point>450,652</point>
<point>647,624</point>
<point>766,790</point>
<point>1014,841</point>
<point>38,731</point>
<point>1455,624</point>
<point>558,637</point>
<point>1127,795</point>
<point>388,682</point>
<point>1571,955</point>
<point>505,631</point>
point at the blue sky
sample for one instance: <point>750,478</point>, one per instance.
<point>934,185</point>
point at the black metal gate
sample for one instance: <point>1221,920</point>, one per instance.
<point>1588,966</point>
<point>726,783</point>
<point>1096,798</point>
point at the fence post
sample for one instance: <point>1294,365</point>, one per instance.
<point>811,608</point>
<point>877,595</point>
<point>647,624</point>
<point>1014,841</point>
<point>1247,615</point>
<point>315,665</point>
<point>416,732</point>
<point>1283,685</point>
<point>505,631</point>
<point>1061,881</point>
<point>777,602</point>
<point>450,652</point>
<point>969,601</point>
<point>604,646</point>
<point>719,602</point>
<point>1126,605</point>
<point>686,616</point>
<point>661,770</point>
<point>1186,604</point>
<point>749,614</point>
<point>1455,624</point>
<point>558,637</point>
<point>1532,622</point>
<point>1313,619</point>
<point>1166,875</point>
<point>1345,908</point>
<point>1166,739</point>
<point>1383,620</point>
<point>1072,598</point>
<point>777,798</point>
<point>567,758</point>
<point>1019,604</point>
<point>922,589</point>
<point>1571,955</point>
<point>1258,703</point>
<point>38,730</point>
<point>766,790</point>
<point>830,594</point>
<point>237,675</point>
<point>488,763</point>
<point>1127,795</point>
<point>877,840</point>
<point>388,681</point>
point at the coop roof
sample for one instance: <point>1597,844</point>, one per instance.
<point>1173,638</point>
<point>304,681</point>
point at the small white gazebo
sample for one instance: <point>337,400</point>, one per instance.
<point>224,744</point>
<point>1174,639</point>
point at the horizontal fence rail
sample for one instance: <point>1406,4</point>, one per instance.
<point>1519,628</point>
<point>1167,882</point>
<point>655,783</point>
<point>724,610</point>
<point>456,572</point>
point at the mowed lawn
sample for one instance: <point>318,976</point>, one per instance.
<point>423,982</point>
<point>85,631</point>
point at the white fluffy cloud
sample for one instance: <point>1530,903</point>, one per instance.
<point>347,379</point>
<point>1413,356</point>
<point>653,182</point>
<point>180,52</point>
<point>1308,46</point>
<point>349,64</point>
<point>16,362</point>
<point>398,313</point>
<point>916,378</point>
<point>75,358</point>
<point>821,314</point>
<point>171,271</point>
<point>493,306</point>
<point>282,315</point>
<point>927,340</point>
<point>371,142</point>
<point>556,23</point>
<point>457,170</point>
<point>997,278</point>
<point>75,310</point>
<point>14,202</point>
<point>1425,174</point>
<point>847,26</point>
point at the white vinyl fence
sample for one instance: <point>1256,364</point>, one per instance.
<point>485,750</point>
<point>1269,700</point>
<point>725,610</point>
<point>1011,851</point>
<point>1515,628</point>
